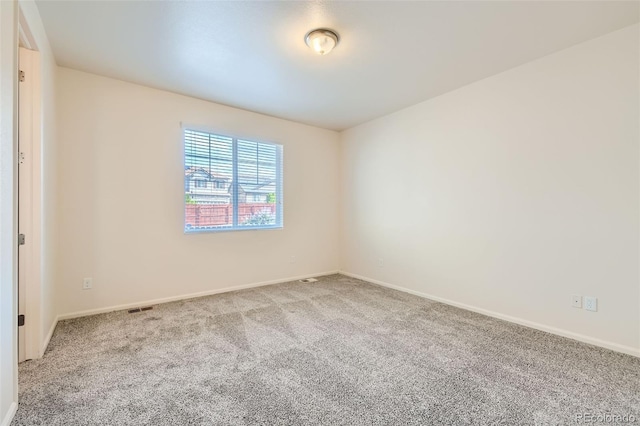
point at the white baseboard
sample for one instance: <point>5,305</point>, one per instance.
<point>531,324</point>
<point>184,296</point>
<point>47,338</point>
<point>9,416</point>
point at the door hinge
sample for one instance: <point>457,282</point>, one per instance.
<point>20,157</point>
<point>20,320</point>
<point>21,75</point>
<point>21,239</point>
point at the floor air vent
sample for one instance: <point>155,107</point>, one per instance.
<point>308,280</point>
<point>136,310</point>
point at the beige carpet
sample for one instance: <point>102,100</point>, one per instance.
<point>339,351</point>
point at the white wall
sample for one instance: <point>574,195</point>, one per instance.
<point>511,194</point>
<point>46,155</point>
<point>121,198</point>
<point>8,285</point>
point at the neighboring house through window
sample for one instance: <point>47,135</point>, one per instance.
<point>231,183</point>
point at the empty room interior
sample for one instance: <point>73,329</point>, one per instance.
<point>319,212</point>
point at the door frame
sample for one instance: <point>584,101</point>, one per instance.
<point>8,213</point>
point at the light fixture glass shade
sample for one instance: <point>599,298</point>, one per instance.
<point>322,40</point>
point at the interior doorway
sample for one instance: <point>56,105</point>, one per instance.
<point>23,204</point>
<point>29,203</point>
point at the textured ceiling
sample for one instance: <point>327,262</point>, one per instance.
<point>252,55</point>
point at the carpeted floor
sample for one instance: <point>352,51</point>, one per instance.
<point>339,351</point>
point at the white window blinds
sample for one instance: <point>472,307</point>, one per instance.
<point>231,183</point>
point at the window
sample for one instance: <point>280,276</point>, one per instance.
<point>252,173</point>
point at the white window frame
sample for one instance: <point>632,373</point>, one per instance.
<point>235,227</point>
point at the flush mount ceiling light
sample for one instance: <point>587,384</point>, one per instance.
<point>322,40</point>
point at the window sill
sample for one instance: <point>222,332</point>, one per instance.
<point>203,230</point>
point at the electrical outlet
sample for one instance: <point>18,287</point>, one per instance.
<point>380,262</point>
<point>591,304</point>
<point>292,260</point>
<point>87,283</point>
<point>576,301</point>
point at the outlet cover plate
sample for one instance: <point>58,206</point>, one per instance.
<point>87,283</point>
<point>591,304</point>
